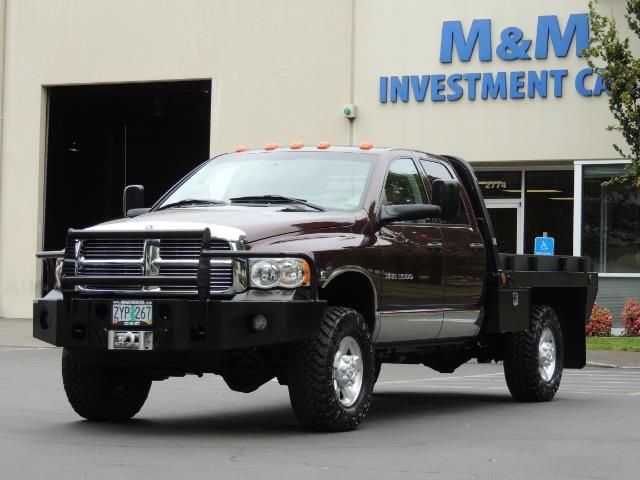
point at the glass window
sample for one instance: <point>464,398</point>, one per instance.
<point>548,203</point>
<point>610,221</point>
<point>505,228</point>
<point>333,180</point>
<point>436,170</point>
<point>403,185</point>
<point>495,184</point>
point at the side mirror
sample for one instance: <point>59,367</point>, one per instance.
<point>418,211</point>
<point>132,198</point>
<point>446,194</point>
<point>134,212</point>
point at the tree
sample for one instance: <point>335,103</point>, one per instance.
<point>621,75</point>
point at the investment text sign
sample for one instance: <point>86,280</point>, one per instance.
<point>551,38</point>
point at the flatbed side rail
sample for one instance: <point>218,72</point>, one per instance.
<point>545,263</point>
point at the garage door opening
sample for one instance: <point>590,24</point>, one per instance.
<point>101,138</point>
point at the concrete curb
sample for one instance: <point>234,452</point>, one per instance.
<point>603,365</point>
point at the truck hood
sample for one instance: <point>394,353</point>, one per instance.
<point>233,222</point>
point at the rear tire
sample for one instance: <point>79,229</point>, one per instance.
<point>331,375</point>
<point>102,394</point>
<point>533,360</point>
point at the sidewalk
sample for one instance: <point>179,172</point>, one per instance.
<point>606,358</point>
<point>16,332</point>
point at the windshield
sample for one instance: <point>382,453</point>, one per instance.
<point>331,180</point>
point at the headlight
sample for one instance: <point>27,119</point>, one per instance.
<point>279,272</point>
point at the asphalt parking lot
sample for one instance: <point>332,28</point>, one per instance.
<point>422,425</point>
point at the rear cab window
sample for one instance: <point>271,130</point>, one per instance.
<point>435,170</point>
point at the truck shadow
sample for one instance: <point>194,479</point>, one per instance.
<point>276,419</point>
<point>389,406</point>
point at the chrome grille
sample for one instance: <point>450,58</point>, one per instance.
<point>112,249</point>
<point>188,248</point>
<point>221,277</point>
<point>180,271</point>
<point>218,244</point>
<point>180,248</point>
<point>124,270</point>
<point>176,257</point>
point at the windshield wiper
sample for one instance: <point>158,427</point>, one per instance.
<point>275,199</point>
<point>191,201</point>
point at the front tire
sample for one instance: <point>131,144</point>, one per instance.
<point>331,375</point>
<point>533,360</point>
<point>101,394</point>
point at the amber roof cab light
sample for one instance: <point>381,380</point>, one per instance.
<point>241,148</point>
<point>296,145</point>
<point>271,146</point>
<point>323,145</point>
<point>366,146</point>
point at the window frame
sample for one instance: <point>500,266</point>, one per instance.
<point>484,167</point>
<point>578,178</point>
<point>407,156</point>
<point>463,194</point>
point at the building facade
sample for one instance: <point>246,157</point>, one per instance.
<point>99,94</point>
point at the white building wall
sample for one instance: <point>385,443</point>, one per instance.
<point>403,38</point>
<point>281,70</point>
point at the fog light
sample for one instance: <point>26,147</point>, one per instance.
<point>259,323</point>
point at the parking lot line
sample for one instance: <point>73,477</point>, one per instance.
<point>586,382</point>
<point>439,378</point>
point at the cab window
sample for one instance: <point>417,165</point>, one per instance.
<point>436,170</point>
<point>403,185</point>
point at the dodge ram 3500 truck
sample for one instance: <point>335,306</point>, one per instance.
<point>313,266</point>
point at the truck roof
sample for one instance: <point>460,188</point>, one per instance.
<point>362,148</point>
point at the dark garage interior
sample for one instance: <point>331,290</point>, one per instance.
<point>101,138</point>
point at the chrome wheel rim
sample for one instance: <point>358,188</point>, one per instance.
<point>347,371</point>
<point>547,354</point>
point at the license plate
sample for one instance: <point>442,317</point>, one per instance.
<point>131,312</point>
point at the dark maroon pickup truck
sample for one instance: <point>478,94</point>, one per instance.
<point>313,266</point>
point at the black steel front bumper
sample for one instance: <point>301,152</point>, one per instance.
<point>77,320</point>
<point>181,324</point>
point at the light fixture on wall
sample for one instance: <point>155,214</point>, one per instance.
<point>349,111</point>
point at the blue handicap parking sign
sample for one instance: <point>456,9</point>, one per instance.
<point>544,246</point>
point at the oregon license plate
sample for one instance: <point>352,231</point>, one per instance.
<point>131,312</point>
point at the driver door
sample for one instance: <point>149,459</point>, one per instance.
<point>412,263</point>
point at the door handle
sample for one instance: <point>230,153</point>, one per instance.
<point>476,247</point>
<point>435,246</point>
